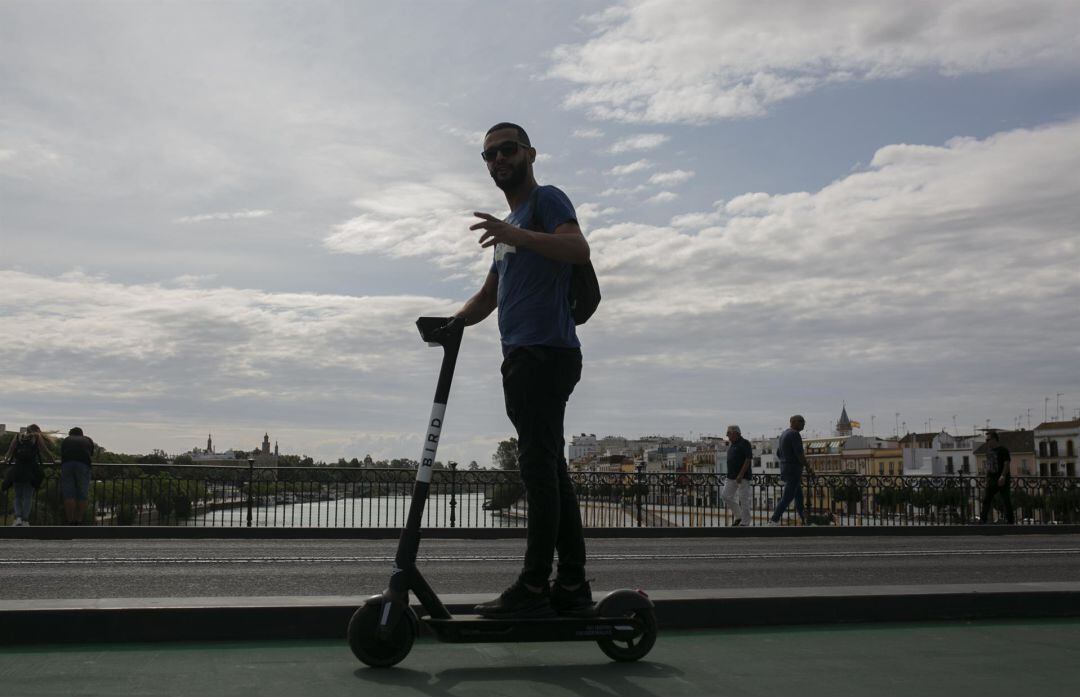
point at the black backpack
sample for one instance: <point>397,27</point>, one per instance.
<point>26,450</point>
<point>584,293</point>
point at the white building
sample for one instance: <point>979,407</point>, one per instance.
<point>940,454</point>
<point>765,461</point>
<point>582,447</point>
<point>1056,444</point>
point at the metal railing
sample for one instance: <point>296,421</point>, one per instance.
<point>347,497</point>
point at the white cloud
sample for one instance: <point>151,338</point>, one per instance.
<point>588,133</point>
<point>663,197</point>
<point>622,190</point>
<point>644,141</point>
<point>421,220</point>
<point>237,215</point>
<point>695,61</point>
<point>468,137</point>
<point>198,358</point>
<point>677,176</point>
<point>622,170</point>
<point>588,213</point>
<point>242,332</point>
<point>700,220</point>
<point>974,228</point>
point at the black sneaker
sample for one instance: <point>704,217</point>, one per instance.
<point>577,602</point>
<point>737,523</point>
<point>517,601</point>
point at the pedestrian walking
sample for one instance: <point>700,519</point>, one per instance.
<point>998,477</point>
<point>26,470</point>
<point>535,249</point>
<point>76,455</point>
<point>789,451</point>
<point>737,488</point>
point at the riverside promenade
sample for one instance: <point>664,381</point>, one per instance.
<point>926,611</point>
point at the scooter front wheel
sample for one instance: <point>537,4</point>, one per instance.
<point>376,651</point>
<point>627,650</point>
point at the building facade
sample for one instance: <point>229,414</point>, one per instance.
<point>1056,444</point>
<point>1021,447</point>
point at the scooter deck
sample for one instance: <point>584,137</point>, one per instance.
<point>477,629</point>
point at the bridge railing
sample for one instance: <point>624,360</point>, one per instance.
<point>348,497</point>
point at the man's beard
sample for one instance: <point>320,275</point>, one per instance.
<point>512,182</point>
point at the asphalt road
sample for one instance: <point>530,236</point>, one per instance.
<point>78,569</point>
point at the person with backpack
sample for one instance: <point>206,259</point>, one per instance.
<point>76,454</point>
<point>998,476</point>
<point>538,252</point>
<point>26,470</point>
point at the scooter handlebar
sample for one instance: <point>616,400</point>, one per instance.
<point>441,331</point>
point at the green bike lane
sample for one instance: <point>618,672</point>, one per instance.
<point>1022,657</point>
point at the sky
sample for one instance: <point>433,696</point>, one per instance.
<point>225,217</point>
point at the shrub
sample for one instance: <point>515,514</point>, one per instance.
<point>125,515</point>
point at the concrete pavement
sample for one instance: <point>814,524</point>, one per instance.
<point>116,590</point>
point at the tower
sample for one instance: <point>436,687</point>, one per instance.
<point>209,443</point>
<point>266,444</point>
<point>843,426</point>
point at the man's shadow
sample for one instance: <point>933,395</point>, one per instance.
<point>601,680</point>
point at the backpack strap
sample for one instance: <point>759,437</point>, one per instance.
<point>535,224</point>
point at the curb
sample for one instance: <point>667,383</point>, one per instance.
<point>326,618</point>
<point>61,532</point>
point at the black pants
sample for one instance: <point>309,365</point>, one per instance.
<point>993,488</point>
<point>537,381</point>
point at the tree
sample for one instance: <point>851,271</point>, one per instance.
<point>508,493</point>
<point>506,455</point>
<point>473,466</point>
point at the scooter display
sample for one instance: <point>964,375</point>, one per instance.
<point>382,631</point>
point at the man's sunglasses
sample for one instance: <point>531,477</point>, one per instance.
<point>508,149</point>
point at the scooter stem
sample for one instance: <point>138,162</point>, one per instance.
<point>432,331</point>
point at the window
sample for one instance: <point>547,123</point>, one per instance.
<point>967,466</point>
<point>1042,449</point>
<point>1070,451</point>
<point>1053,448</point>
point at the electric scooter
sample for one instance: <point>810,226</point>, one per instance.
<point>382,631</point>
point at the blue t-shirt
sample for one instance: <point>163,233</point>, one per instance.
<point>787,452</point>
<point>739,452</point>
<point>534,309</point>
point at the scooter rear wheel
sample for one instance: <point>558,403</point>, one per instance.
<point>376,652</point>
<point>627,650</point>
